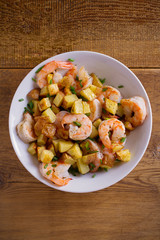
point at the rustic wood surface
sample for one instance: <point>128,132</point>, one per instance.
<point>32,31</point>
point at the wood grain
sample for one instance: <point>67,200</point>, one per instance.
<point>32,31</point>
<point>128,210</point>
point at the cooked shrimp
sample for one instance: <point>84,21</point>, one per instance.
<point>134,110</point>
<point>59,117</point>
<point>75,132</point>
<point>41,121</point>
<point>85,80</point>
<point>108,157</point>
<point>61,132</point>
<point>34,93</point>
<point>116,129</point>
<point>25,129</point>
<point>96,110</point>
<point>92,146</point>
<point>41,77</point>
<point>57,77</point>
<point>111,93</point>
<point>56,172</point>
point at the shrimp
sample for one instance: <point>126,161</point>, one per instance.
<point>89,146</point>
<point>111,93</point>
<point>85,80</point>
<point>113,126</point>
<point>25,129</point>
<point>41,77</point>
<point>61,132</point>
<point>134,110</point>
<point>96,110</point>
<point>108,157</point>
<point>56,172</point>
<point>75,132</point>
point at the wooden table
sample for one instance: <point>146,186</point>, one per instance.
<point>32,31</point>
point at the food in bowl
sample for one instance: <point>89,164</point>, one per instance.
<point>74,123</point>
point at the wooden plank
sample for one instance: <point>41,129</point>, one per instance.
<point>30,210</point>
<point>32,31</point>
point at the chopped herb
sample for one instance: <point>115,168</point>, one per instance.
<point>48,95</point>
<point>109,133</point>
<point>77,78</point>
<point>77,141</point>
<point>21,100</point>
<point>54,158</point>
<point>104,89</point>
<point>30,105</point>
<point>87,114</point>
<point>107,118</point>
<point>34,79</point>
<point>77,124</point>
<point>28,110</point>
<point>54,165</point>
<point>73,171</point>
<point>93,151</point>
<point>117,160</point>
<point>92,166</point>
<point>45,166</point>
<point>120,86</point>
<point>72,89</point>
<point>70,60</point>
<point>87,146</point>
<point>50,81</point>
<point>123,139</point>
<point>104,99</point>
<point>93,176</point>
<point>103,146</point>
<point>39,69</point>
<point>83,98</point>
<point>49,172</point>
<point>102,80</point>
<point>119,104</point>
<point>104,110</point>
<point>101,161</point>
<point>80,83</point>
<point>106,169</point>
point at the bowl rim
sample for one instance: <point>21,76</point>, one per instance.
<point>100,54</point>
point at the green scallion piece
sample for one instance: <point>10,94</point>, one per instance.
<point>80,83</point>
<point>93,151</point>
<point>93,176</point>
<point>77,124</point>
<point>72,89</point>
<point>54,158</point>
<point>92,166</point>
<point>21,100</point>
<point>102,80</point>
<point>34,79</point>
<point>104,110</point>
<point>104,89</point>
<point>106,169</point>
<point>54,165</point>
<point>30,105</point>
<point>87,146</point>
<point>123,139</point>
<point>120,86</point>
<point>50,81</point>
<point>109,133</point>
<point>101,161</point>
<point>77,78</point>
<point>119,104</point>
<point>45,166</point>
<point>49,172</point>
<point>39,69</point>
<point>87,114</point>
<point>117,160</point>
<point>103,146</point>
<point>70,59</point>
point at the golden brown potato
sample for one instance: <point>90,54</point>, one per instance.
<point>34,93</point>
<point>49,130</point>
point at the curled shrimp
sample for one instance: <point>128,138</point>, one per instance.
<point>96,110</point>
<point>85,80</point>
<point>41,77</point>
<point>80,132</point>
<point>56,172</point>
<point>108,157</point>
<point>61,132</point>
<point>25,129</point>
<point>115,128</point>
<point>134,110</point>
<point>111,93</point>
<point>92,146</point>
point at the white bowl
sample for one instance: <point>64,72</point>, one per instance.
<point>116,74</point>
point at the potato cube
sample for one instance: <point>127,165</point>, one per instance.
<point>32,148</point>
<point>128,126</point>
<point>96,81</point>
<point>77,107</point>
<point>46,156</point>
<point>67,91</point>
<point>56,144</point>
<point>69,100</point>
<point>44,92</point>
<point>44,104</point>
<point>124,155</point>
<point>55,109</point>
<point>67,159</point>
<point>58,99</point>
<point>82,167</point>
<point>117,147</point>
<point>97,91</point>
<point>93,88</point>
<point>94,132</point>
<point>119,111</point>
<point>50,78</point>
<point>50,114</point>
<point>35,109</point>
<point>89,158</point>
<point>51,148</point>
<point>86,107</point>
<point>75,151</point>
<point>34,93</point>
<point>111,106</point>
<point>39,151</point>
<point>64,146</point>
<point>41,140</point>
<point>97,123</point>
<point>88,94</point>
<point>53,89</point>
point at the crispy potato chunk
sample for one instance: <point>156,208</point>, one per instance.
<point>44,91</point>
<point>58,99</point>
<point>46,156</point>
<point>32,148</point>
<point>96,81</point>
<point>82,167</point>
<point>44,104</point>
<point>124,155</point>
<point>111,106</point>
<point>34,93</point>
<point>88,94</point>
<point>50,114</point>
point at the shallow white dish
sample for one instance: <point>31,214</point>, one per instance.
<point>116,74</point>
